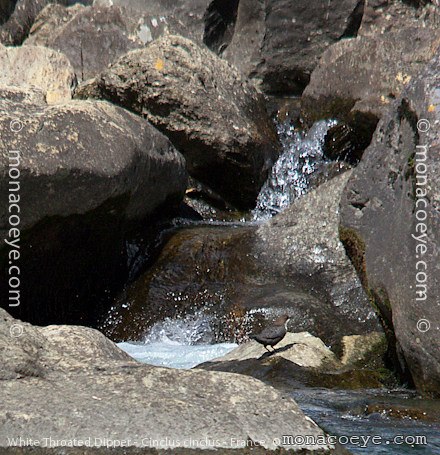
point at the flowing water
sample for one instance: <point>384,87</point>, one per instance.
<point>369,413</point>
<point>179,343</point>
<point>187,341</point>
<point>289,179</point>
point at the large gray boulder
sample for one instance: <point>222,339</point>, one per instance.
<point>38,67</point>
<point>242,277</point>
<point>92,37</point>
<point>90,164</point>
<point>390,225</point>
<point>18,19</point>
<point>86,171</point>
<point>71,383</point>
<point>18,16</point>
<point>383,16</point>
<point>209,111</point>
<point>279,42</point>
<point>189,13</point>
<point>365,74</point>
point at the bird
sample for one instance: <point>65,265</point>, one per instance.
<point>273,334</point>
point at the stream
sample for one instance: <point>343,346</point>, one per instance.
<point>178,343</point>
<point>189,340</point>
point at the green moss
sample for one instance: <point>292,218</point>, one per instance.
<point>379,300</point>
<point>355,247</point>
<point>387,378</point>
<point>411,174</point>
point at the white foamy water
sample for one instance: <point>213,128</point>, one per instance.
<point>178,343</point>
<point>176,355</point>
<point>290,176</point>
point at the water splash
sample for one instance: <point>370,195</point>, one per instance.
<point>179,343</point>
<point>188,330</point>
<point>204,326</point>
<point>290,176</point>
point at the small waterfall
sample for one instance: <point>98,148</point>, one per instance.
<point>185,341</point>
<point>290,176</point>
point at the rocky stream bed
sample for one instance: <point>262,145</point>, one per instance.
<point>175,175</point>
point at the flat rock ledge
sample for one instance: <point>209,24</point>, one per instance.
<point>61,384</point>
<point>303,360</point>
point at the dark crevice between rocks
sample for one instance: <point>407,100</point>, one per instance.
<point>16,28</point>
<point>359,205</point>
<point>284,83</point>
<point>73,267</point>
<point>220,19</point>
<point>348,140</point>
<point>394,359</point>
<point>325,107</point>
<point>417,3</point>
<point>354,21</point>
<point>6,9</point>
<point>199,191</point>
<point>405,113</point>
<point>67,266</point>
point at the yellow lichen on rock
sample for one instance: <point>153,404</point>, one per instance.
<point>159,64</point>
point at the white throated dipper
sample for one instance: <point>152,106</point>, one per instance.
<point>274,333</point>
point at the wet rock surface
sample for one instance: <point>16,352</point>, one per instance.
<point>97,181</point>
<point>207,109</point>
<point>64,368</point>
<point>402,275</point>
<point>244,275</point>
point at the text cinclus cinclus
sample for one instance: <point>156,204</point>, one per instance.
<point>273,334</point>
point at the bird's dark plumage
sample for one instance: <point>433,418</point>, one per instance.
<point>274,333</point>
